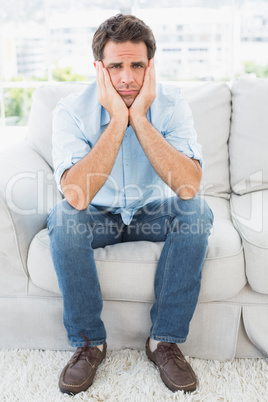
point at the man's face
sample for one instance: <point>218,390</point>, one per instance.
<point>126,63</point>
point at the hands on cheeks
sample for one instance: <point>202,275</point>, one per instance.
<point>146,96</point>
<point>107,95</point>
<point>114,104</point>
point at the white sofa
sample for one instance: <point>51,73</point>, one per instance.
<point>231,318</point>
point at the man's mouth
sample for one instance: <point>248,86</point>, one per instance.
<point>126,92</point>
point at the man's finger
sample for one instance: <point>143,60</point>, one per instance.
<point>98,72</point>
<point>107,78</point>
<point>146,80</point>
<point>100,82</point>
<point>152,74</point>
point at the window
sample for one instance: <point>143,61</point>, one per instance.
<point>44,41</point>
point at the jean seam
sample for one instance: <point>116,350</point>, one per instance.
<point>164,284</point>
<point>114,225</point>
<point>157,218</point>
<point>114,217</point>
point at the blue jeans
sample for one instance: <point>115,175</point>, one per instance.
<point>183,226</point>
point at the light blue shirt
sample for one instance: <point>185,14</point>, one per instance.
<point>78,122</point>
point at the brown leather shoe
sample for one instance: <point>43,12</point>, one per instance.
<point>79,373</point>
<point>175,372</point>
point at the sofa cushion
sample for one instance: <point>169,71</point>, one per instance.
<point>44,100</point>
<point>249,136</point>
<point>250,217</point>
<point>211,107</point>
<point>126,271</point>
<point>224,268</point>
<point>254,318</point>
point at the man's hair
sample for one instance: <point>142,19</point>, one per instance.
<point>122,28</point>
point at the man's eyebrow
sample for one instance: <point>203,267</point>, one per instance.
<point>114,65</point>
<point>141,63</point>
<point>134,63</point>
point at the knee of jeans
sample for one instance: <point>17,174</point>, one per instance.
<point>194,217</point>
<point>68,220</point>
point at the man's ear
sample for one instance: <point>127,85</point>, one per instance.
<point>96,61</point>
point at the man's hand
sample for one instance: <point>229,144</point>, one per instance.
<point>147,95</point>
<point>108,96</point>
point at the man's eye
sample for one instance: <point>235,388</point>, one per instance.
<point>115,67</point>
<point>138,66</point>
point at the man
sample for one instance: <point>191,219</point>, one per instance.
<point>117,146</point>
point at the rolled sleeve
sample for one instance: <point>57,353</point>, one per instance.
<point>69,143</point>
<point>181,133</point>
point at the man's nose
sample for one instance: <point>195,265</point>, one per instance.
<point>126,77</point>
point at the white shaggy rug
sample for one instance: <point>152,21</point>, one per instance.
<point>128,376</point>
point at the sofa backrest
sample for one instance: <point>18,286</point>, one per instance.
<point>249,136</point>
<point>211,107</point>
<point>44,100</point>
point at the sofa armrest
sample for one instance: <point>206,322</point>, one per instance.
<point>27,192</point>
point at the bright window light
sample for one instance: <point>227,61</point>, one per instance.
<point>44,41</point>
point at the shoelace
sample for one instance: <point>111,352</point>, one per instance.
<point>170,351</point>
<point>84,351</point>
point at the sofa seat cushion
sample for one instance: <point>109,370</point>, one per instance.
<point>224,268</point>
<point>126,271</point>
<point>250,217</point>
